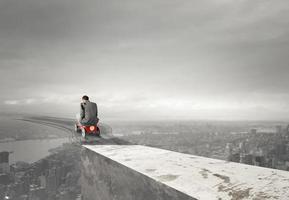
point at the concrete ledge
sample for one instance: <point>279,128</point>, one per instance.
<point>134,172</point>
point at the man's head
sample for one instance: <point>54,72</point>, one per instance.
<point>85,98</point>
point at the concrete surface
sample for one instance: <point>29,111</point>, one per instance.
<point>105,179</point>
<point>134,172</point>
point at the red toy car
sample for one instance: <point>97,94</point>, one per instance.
<point>85,130</point>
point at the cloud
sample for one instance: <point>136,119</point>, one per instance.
<point>11,102</point>
<point>136,56</point>
<point>145,107</point>
<point>20,102</point>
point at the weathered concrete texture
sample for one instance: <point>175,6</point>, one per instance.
<point>105,179</point>
<point>132,172</point>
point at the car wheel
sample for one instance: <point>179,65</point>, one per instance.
<point>76,129</point>
<point>83,134</point>
<point>98,133</point>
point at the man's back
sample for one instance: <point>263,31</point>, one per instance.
<point>89,113</point>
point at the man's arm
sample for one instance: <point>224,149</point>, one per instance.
<point>81,111</point>
<point>96,111</point>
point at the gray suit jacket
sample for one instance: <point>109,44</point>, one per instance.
<point>88,113</point>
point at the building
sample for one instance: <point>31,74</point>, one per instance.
<point>253,131</point>
<point>279,129</point>
<point>280,149</point>
<point>51,181</point>
<point>4,162</point>
<point>37,193</point>
<point>246,158</point>
<point>235,157</point>
<point>228,151</point>
<point>259,161</point>
<point>287,134</point>
<point>42,181</point>
<point>4,179</point>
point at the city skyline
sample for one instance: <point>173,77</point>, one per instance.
<point>222,60</point>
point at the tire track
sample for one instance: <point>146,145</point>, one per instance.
<point>73,136</point>
<point>69,131</point>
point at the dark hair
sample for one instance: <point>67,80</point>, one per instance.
<point>85,98</point>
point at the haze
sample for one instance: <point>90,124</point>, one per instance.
<point>206,59</point>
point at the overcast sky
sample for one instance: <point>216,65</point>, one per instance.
<point>149,59</point>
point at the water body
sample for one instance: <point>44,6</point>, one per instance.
<point>30,149</point>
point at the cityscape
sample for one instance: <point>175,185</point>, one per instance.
<point>58,176</point>
<point>264,146</point>
<point>54,177</point>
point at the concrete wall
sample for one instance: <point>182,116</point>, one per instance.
<point>135,172</point>
<point>105,179</point>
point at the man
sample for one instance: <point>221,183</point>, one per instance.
<point>88,112</point>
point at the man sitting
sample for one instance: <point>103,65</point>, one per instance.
<point>88,112</point>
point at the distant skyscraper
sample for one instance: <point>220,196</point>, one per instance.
<point>278,129</point>
<point>4,179</point>
<point>243,147</point>
<point>42,180</point>
<point>235,157</point>
<point>37,193</point>
<point>229,149</point>
<point>287,148</point>
<point>51,180</point>
<point>253,131</point>
<point>287,130</point>
<point>259,161</point>
<point>4,162</point>
<point>280,149</point>
<point>246,158</point>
